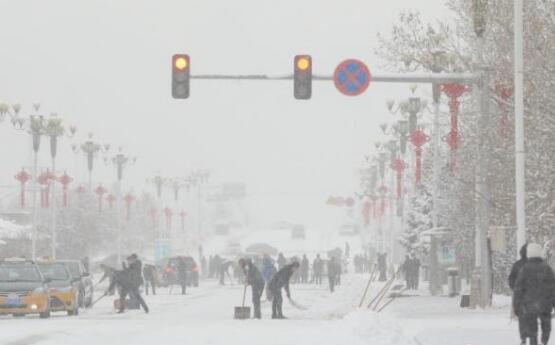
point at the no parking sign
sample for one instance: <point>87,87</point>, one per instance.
<point>352,77</point>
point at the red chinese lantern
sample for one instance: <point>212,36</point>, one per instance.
<point>418,138</point>
<point>111,199</point>
<point>23,176</point>
<point>128,198</point>
<point>454,91</point>
<point>168,213</point>
<point>505,93</point>
<point>399,165</point>
<point>100,191</point>
<point>65,180</point>
<point>44,180</point>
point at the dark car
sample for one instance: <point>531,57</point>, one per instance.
<point>23,289</point>
<point>168,271</point>
<point>84,282</point>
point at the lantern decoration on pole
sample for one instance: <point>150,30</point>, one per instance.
<point>418,138</point>
<point>183,216</point>
<point>366,207</point>
<point>504,93</point>
<point>399,165</point>
<point>65,180</point>
<point>111,199</point>
<point>128,198</point>
<point>23,176</point>
<point>454,91</point>
<point>100,191</point>
<point>153,215</point>
<point>80,190</point>
<point>168,213</point>
<point>383,191</point>
<point>44,180</point>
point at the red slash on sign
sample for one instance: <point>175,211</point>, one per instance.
<point>352,77</point>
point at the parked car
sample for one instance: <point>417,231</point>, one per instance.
<point>168,271</point>
<point>63,289</point>
<point>83,280</point>
<point>23,289</point>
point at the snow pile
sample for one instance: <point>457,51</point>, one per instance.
<point>10,230</point>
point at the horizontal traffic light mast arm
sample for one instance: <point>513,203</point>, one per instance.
<point>387,78</point>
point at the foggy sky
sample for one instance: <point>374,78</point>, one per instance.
<point>104,65</point>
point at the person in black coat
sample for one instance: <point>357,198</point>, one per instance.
<point>254,278</point>
<point>151,278</point>
<point>534,293</point>
<point>281,280</point>
<point>182,274</point>
<point>333,273</point>
<point>129,279</point>
<point>512,280</point>
<point>305,267</point>
<point>382,266</point>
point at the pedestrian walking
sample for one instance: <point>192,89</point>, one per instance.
<point>534,293</point>
<point>333,273</point>
<point>281,261</point>
<point>281,281</point>
<point>254,278</point>
<point>305,267</point>
<point>182,272</point>
<point>512,280</point>
<point>318,269</point>
<point>151,278</point>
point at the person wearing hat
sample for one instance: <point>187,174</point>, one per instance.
<point>534,294</point>
<point>129,280</point>
<point>281,280</point>
<point>256,281</point>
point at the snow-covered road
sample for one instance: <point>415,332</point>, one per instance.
<point>205,316</point>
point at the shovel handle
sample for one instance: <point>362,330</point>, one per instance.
<point>244,294</point>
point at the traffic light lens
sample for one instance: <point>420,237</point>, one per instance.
<point>181,63</point>
<point>303,63</point>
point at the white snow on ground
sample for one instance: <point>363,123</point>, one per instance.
<point>205,316</point>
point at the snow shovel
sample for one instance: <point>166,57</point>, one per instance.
<point>242,312</point>
<point>98,299</point>
<point>296,305</point>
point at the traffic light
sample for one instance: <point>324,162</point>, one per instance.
<point>180,76</point>
<point>303,77</point>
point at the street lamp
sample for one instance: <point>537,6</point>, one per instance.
<point>54,129</point>
<point>120,161</point>
<point>35,126</point>
<point>90,149</point>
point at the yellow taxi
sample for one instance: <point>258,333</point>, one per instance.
<point>23,289</point>
<point>62,288</point>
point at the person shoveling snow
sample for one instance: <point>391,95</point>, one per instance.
<point>281,280</point>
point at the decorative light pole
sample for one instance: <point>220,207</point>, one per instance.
<point>54,129</point>
<point>22,176</point>
<point>120,161</point>
<point>90,149</point>
<point>398,165</point>
<point>34,125</point>
<point>198,178</point>
<point>100,191</point>
<point>412,107</point>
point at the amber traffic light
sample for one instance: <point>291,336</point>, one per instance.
<point>303,77</point>
<point>181,67</point>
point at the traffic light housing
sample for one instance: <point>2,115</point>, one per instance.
<point>303,77</point>
<point>181,68</point>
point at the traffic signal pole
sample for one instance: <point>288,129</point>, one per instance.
<point>384,78</point>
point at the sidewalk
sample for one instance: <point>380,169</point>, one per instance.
<point>440,321</point>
